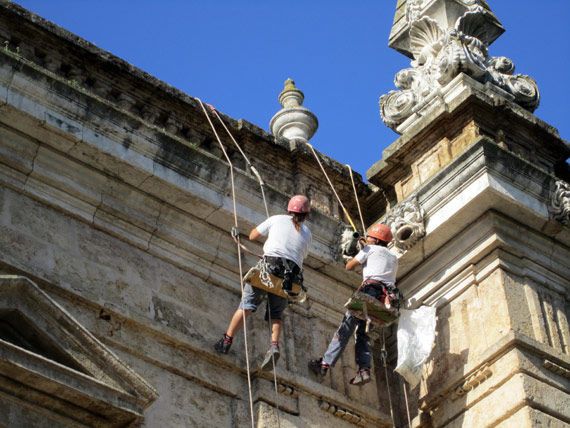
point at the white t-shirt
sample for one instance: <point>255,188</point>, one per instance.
<point>378,263</point>
<point>283,240</point>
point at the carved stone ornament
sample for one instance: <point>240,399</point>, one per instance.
<point>472,382</point>
<point>560,202</point>
<point>407,224</point>
<point>293,121</point>
<point>441,52</point>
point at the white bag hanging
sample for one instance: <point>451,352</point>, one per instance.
<point>416,335</point>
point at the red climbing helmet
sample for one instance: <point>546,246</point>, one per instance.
<point>381,231</point>
<point>299,204</point>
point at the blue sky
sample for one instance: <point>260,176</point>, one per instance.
<point>235,54</point>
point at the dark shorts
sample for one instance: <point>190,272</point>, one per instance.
<point>253,296</point>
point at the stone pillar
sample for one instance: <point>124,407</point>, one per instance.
<point>489,181</point>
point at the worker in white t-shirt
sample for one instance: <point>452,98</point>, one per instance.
<point>379,266</point>
<point>287,245</point>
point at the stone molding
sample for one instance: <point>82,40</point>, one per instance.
<point>65,362</point>
<point>342,413</point>
<point>560,202</point>
<point>472,184</point>
<point>495,367</point>
<point>172,116</point>
<point>471,382</point>
<point>441,52</point>
<point>555,368</point>
<point>407,223</point>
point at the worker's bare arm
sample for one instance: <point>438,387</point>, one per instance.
<point>254,234</point>
<point>351,264</point>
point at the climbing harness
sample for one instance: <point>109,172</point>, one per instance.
<point>356,198</point>
<point>260,276</point>
<point>236,237</point>
<point>375,303</point>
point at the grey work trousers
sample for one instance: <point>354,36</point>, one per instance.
<point>340,339</point>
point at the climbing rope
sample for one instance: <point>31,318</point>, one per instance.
<point>384,355</point>
<point>407,405</point>
<point>237,238</point>
<point>346,213</point>
<point>248,163</point>
<point>356,198</point>
<point>235,235</point>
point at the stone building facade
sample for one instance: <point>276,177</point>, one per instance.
<point>118,271</point>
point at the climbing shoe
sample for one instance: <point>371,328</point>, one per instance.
<point>271,357</point>
<point>223,345</point>
<point>319,368</point>
<point>361,378</point>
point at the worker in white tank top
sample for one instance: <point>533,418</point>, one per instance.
<point>288,241</point>
<point>379,270</point>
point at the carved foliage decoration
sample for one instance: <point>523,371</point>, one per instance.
<point>407,224</point>
<point>560,202</point>
<point>440,54</point>
<point>414,7</point>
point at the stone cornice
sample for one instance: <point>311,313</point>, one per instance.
<point>474,183</point>
<point>143,99</point>
<point>85,371</point>
<point>442,116</point>
<point>490,362</point>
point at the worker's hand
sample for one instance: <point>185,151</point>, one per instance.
<point>346,259</point>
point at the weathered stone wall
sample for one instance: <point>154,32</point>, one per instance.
<point>115,200</point>
<point>122,214</point>
<point>494,258</point>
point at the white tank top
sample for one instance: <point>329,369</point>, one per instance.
<point>283,240</point>
<point>378,263</point>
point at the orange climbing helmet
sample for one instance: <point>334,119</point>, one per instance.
<point>381,231</point>
<point>299,204</point>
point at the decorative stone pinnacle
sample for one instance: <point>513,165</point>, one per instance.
<point>446,38</point>
<point>293,121</point>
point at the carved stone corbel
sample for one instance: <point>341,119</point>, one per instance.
<point>560,202</point>
<point>407,223</point>
<point>344,414</point>
<point>472,382</point>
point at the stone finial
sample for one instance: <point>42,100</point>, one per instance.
<point>293,121</point>
<point>446,38</point>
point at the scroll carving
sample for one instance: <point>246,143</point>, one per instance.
<point>560,202</point>
<point>440,54</point>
